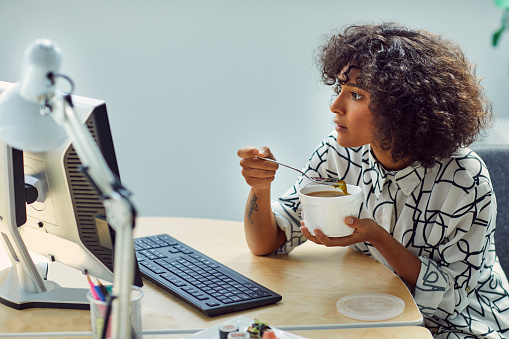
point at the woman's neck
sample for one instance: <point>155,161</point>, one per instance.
<point>384,157</point>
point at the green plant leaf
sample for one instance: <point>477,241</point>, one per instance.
<point>502,4</point>
<point>497,35</point>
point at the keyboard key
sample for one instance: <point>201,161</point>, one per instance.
<point>153,267</point>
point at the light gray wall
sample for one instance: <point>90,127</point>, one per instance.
<point>189,82</point>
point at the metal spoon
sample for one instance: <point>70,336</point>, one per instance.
<point>324,181</point>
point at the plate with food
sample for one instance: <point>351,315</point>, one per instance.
<point>252,329</point>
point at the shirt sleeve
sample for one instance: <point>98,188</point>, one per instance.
<point>444,287</point>
<point>287,211</point>
<point>289,221</point>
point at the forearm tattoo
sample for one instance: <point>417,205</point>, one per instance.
<point>253,206</point>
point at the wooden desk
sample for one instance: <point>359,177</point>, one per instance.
<point>414,332</point>
<point>311,279</point>
<point>406,332</point>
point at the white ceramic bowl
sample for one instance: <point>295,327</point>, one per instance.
<point>328,213</point>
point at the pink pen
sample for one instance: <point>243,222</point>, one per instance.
<point>92,287</point>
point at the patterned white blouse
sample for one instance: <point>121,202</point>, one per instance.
<point>445,215</point>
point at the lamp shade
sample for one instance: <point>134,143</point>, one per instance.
<point>23,127</point>
<point>41,58</point>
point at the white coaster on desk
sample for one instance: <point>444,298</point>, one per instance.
<point>370,306</point>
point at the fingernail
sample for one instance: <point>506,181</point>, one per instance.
<point>349,221</point>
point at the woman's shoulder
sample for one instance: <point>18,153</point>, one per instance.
<point>468,160</point>
<point>463,167</point>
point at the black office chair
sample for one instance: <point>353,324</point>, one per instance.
<point>496,158</point>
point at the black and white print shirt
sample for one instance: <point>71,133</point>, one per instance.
<point>445,215</point>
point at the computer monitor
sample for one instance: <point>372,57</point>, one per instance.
<point>64,222</point>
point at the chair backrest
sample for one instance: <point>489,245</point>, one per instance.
<point>496,158</point>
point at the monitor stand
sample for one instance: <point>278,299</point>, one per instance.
<point>55,296</point>
<point>24,286</point>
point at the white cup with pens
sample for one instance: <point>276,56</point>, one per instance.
<point>99,297</point>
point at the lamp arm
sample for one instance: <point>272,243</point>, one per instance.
<point>120,211</point>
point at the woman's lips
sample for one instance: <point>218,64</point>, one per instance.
<point>340,128</point>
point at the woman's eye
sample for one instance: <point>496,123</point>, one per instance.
<point>356,96</point>
<point>337,89</point>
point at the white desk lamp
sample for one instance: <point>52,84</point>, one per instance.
<point>32,115</point>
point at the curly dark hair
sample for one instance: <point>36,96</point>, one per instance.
<point>426,99</point>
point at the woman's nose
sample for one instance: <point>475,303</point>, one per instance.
<point>336,105</point>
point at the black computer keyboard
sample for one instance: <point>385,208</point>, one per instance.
<point>206,284</point>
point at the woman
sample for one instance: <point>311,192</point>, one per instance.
<point>408,103</point>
